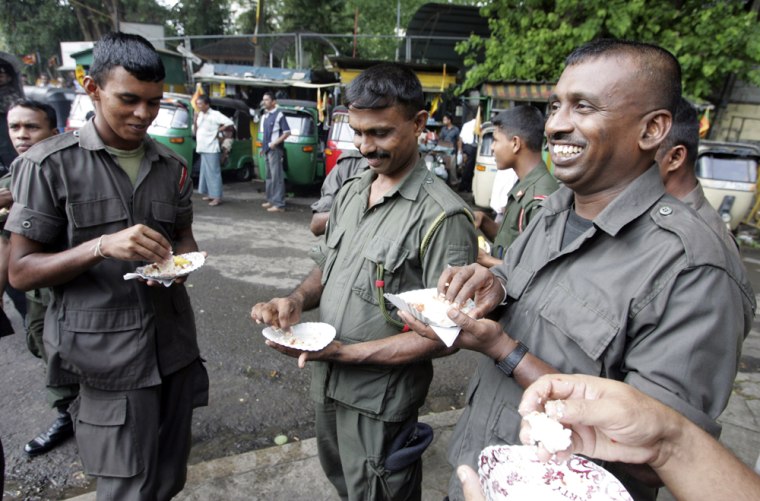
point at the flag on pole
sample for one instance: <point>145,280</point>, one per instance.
<point>198,92</point>
<point>434,104</point>
<point>704,124</point>
<point>320,105</point>
<point>443,78</point>
<point>478,124</point>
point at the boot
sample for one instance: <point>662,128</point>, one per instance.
<point>61,429</point>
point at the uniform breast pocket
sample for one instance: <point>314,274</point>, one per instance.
<point>164,216</point>
<point>382,262</point>
<point>582,330</point>
<point>101,341</point>
<point>94,218</point>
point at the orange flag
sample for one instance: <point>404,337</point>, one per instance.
<point>704,124</point>
<point>194,99</point>
<point>478,123</point>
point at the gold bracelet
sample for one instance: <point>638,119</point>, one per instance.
<point>98,252</point>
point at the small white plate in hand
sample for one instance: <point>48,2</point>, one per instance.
<point>307,336</point>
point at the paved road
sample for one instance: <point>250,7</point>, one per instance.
<point>256,393</point>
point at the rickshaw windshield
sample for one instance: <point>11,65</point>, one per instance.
<point>486,145</point>
<point>300,125</point>
<point>171,117</point>
<point>340,130</point>
<point>727,168</point>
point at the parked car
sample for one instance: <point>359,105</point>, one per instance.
<point>173,128</point>
<point>80,106</point>
<point>728,174</point>
<point>340,138</point>
<point>304,151</point>
<point>59,98</point>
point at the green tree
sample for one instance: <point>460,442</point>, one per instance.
<point>201,17</point>
<point>530,38</point>
<point>21,28</point>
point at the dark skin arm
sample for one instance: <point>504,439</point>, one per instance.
<point>31,268</point>
<point>319,223</point>
<point>6,198</point>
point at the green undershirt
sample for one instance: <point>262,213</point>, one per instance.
<point>128,160</point>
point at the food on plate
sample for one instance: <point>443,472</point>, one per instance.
<point>548,431</point>
<point>432,307</point>
<point>174,266</point>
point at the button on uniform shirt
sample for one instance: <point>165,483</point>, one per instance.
<point>648,295</point>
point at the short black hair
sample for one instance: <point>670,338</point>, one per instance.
<point>38,106</point>
<point>684,131</point>
<point>386,85</point>
<point>204,98</point>
<point>659,66</point>
<point>270,94</point>
<point>132,52</point>
<point>448,115</point>
<point>524,121</point>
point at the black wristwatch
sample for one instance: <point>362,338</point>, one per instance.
<point>509,363</point>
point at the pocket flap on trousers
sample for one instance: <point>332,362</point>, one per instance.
<point>104,412</point>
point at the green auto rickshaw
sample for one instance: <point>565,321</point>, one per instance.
<point>173,128</point>
<point>304,150</point>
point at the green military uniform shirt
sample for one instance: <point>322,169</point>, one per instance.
<point>523,201</point>
<point>371,250</point>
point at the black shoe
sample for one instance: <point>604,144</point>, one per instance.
<point>61,429</point>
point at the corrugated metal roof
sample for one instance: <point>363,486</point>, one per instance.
<point>444,20</point>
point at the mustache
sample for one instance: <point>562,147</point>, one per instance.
<point>562,136</point>
<point>379,154</point>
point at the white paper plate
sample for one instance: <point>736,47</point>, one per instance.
<point>514,472</point>
<point>308,336</point>
<point>425,306</point>
<point>148,272</point>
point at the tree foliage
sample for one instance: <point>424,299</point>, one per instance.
<point>201,17</point>
<point>530,38</point>
<point>36,27</point>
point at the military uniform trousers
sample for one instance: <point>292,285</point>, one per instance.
<point>352,449</point>
<point>137,442</point>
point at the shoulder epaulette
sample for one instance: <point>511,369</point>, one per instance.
<point>52,145</point>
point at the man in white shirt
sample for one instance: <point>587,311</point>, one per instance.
<point>207,125</point>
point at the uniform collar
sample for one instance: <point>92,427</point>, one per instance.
<point>518,190</point>
<point>634,201</point>
<point>409,187</point>
<point>696,198</point>
<point>89,139</point>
